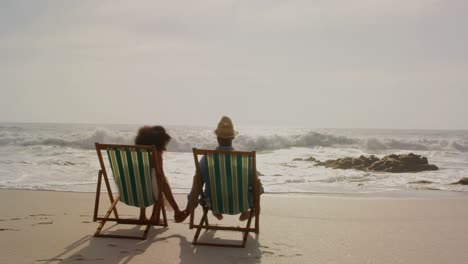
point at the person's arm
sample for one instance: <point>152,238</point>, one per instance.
<point>166,187</point>
<point>194,194</point>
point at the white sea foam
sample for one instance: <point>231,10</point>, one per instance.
<point>62,157</point>
<point>184,139</point>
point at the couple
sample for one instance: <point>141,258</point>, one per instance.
<point>158,137</point>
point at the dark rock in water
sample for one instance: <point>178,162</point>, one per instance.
<point>462,181</point>
<point>308,159</point>
<point>360,163</point>
<point>426,188</point>
<point>391,163</point>
<point>311,159</point>
<point>403,163</point>
<point>420,182</point>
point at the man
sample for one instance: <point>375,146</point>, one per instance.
<point>225,134</point>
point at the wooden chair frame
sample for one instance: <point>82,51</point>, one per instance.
<point>204,223</point>
<point>158,207</point>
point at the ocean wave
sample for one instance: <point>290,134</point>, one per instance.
<point>459,147</point>
<point>61,162</point>
<point>183,140</point>
<point>295,181</point>
<point>375,144</point>
<point>310,139</point>
<point>347,178</point>
<point>76,140</point>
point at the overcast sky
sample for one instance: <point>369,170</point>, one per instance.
<point>322,63</point>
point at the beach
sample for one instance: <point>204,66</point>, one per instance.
<point>353,114</point>
<point>419,227</point>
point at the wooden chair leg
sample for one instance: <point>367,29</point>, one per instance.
<point>257,221</point>
<point>246,232</point>
<point>200,226</point>
<point>257,206</point>
<point>154,219</point>
<point>101,225</point>
<point>111,197</point>
<point>163,208</point>
<point>206,218</point>
<point>98,196</point>
<point>192,217</point>
<point>194,196</point>
<point>145,233</point>
<point>148,223</point>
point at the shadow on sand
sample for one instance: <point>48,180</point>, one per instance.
<point>110,250</point>
<point>251,254</point>
<point>106,250</point>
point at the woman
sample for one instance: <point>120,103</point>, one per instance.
<point>157,136</point>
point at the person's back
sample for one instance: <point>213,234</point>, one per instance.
<point>157,136</point>
<point>225,135</point>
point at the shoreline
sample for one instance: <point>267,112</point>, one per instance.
<point>396,194</point>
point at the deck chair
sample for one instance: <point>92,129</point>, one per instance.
<point>131,168</point>
<point>233,181</point>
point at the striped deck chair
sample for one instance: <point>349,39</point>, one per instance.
<point>131,167</point>
<point>234,187</point>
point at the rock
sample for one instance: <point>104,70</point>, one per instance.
<point>462,181</point>
<point>311,159</point>
<point>425,188</point>
<point>391,163</point>
<point>420,182</point>
<point>402,163</point>
<point>308,159</point>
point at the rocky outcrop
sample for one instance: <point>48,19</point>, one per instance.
<point>462,181</point>
<point>391,163</point>
<point>360,163</point>
<point>420,182</point>
<point>403,163</point>
<point>311,159</point>
<point>308,159</point>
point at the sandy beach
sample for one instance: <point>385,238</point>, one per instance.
<point>55,227</point>
<point>352,114</point>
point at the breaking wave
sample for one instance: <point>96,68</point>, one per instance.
<point>75,140</point>
<point>183,140</point>
<point>374,144</point>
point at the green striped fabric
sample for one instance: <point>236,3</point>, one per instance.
<point>132,174</point>
<point>229,179</point>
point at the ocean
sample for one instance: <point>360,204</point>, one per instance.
<point>61,157</point>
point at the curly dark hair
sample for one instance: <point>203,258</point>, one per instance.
<point>155,135</point>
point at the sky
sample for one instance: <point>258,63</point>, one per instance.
<point>323,64</point>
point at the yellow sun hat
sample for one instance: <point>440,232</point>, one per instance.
<point>225,128</point>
